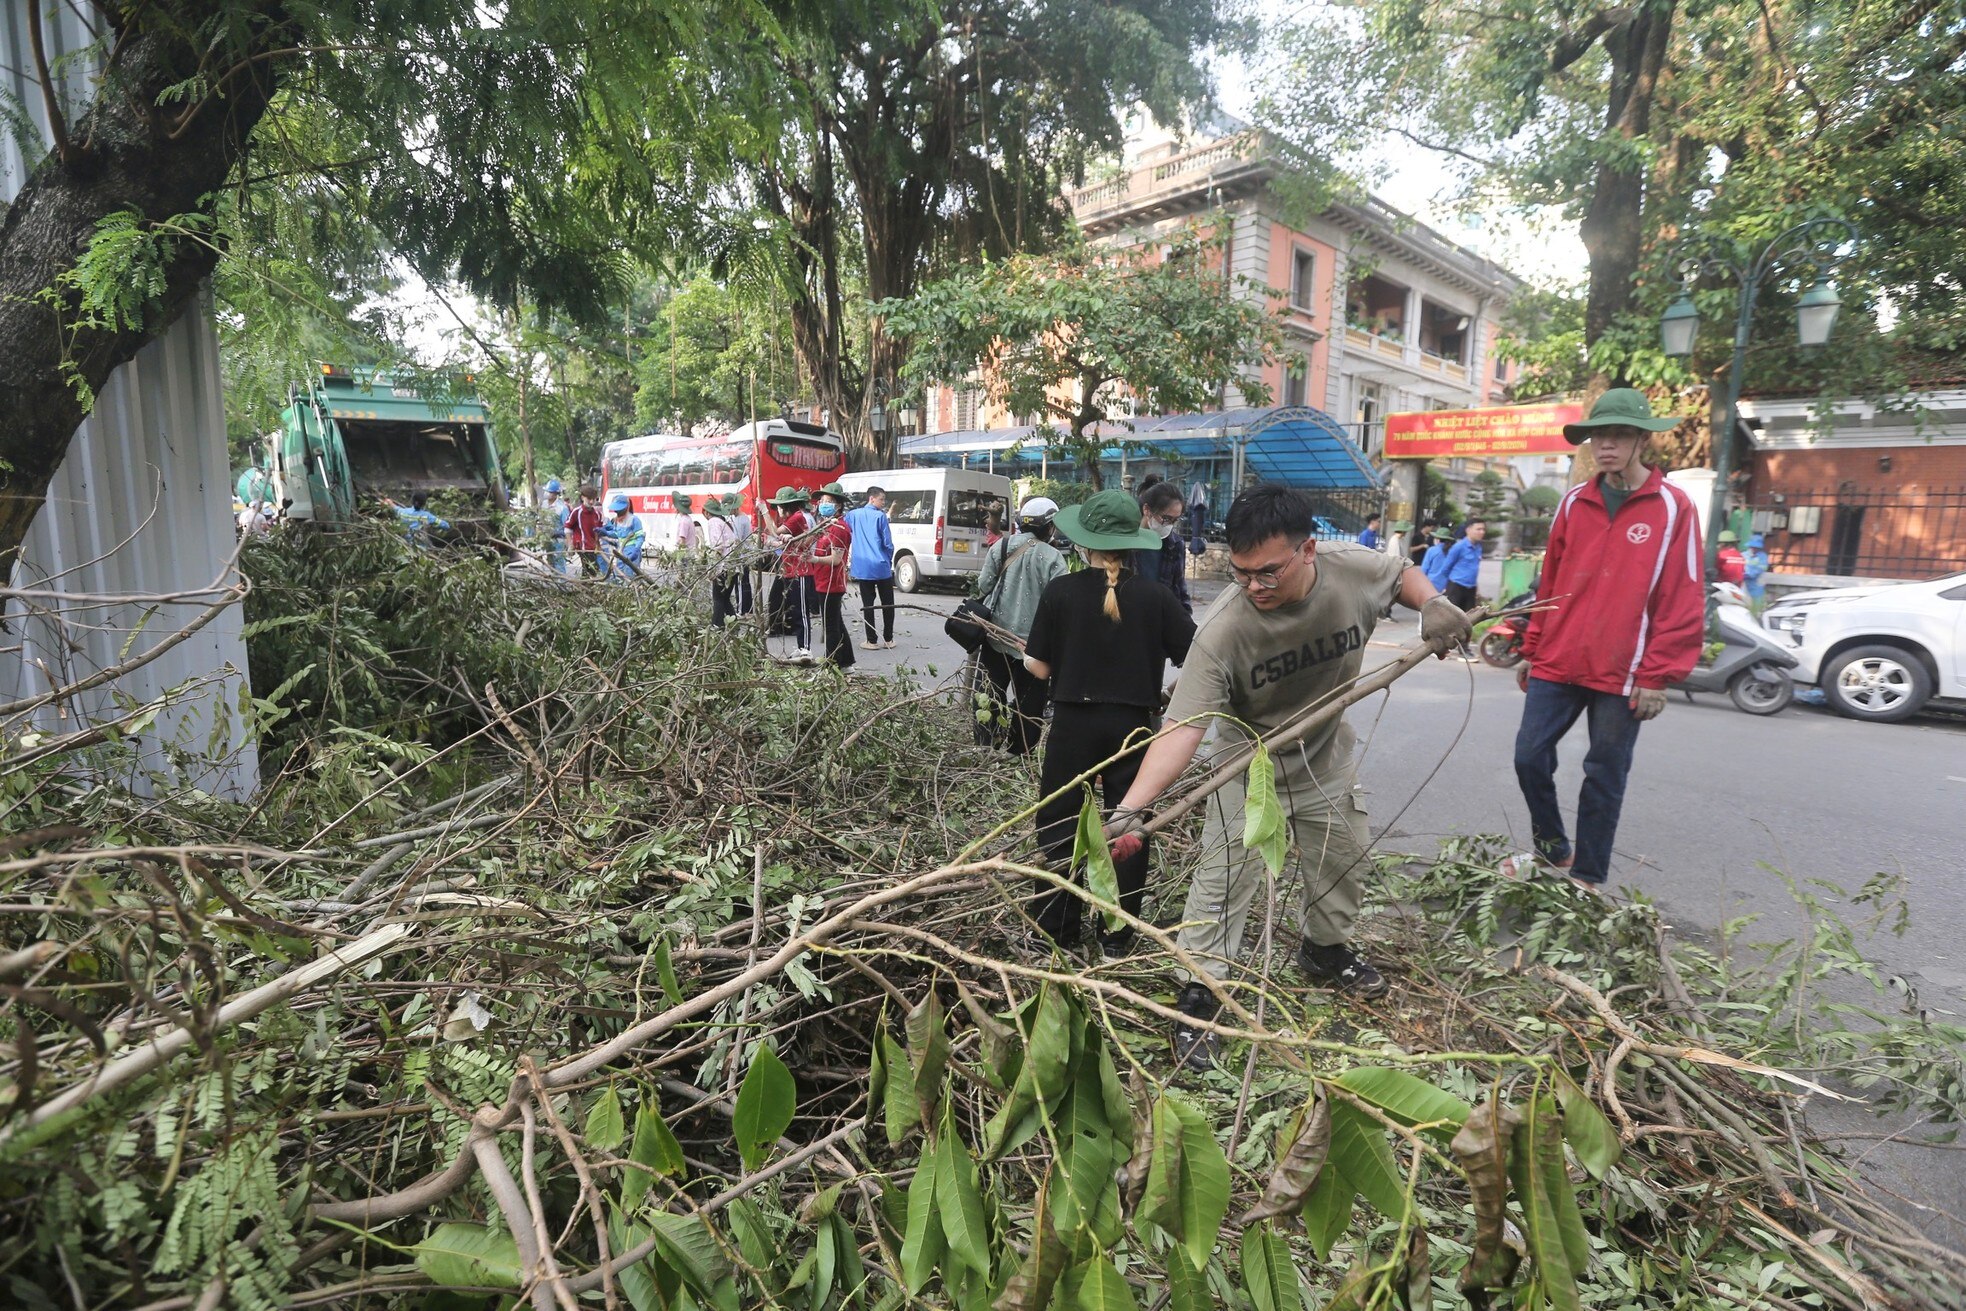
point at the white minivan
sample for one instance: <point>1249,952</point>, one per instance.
<point>939,518</point>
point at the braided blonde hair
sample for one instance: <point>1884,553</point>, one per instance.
<point>1111,562</point>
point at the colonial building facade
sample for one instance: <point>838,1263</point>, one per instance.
<point>1382,314</point>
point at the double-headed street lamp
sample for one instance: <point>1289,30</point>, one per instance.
<point>1818,243</point>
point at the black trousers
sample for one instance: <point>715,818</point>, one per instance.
<point>839,642</point>
<point>1021,694</point>
<point>884,588</point>
<point>778,606</point>
<point>1465,597</point>
<point>723,596</point>
<point>1082,736</point>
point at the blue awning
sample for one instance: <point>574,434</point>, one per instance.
<point>1290,444</point>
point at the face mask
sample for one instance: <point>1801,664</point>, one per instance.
<point>1166,530</point>
<point>828,510</point>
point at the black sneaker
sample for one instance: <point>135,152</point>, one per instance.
<point>1118,945</point>
<point>1195,1049</point>
<point>1340,968</point>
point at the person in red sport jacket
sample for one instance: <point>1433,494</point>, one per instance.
<point>1622,574</point>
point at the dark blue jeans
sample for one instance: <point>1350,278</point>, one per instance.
<point>1548,713</point>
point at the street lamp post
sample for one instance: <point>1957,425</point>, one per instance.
<point>877,411</point>
<point>1820,241</point>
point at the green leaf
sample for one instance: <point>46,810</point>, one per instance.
<point>1204,1183</point>
<point>1267,1270</point>
<point>656,1150</point>
<point>1029,1289</point>
<point>1041,1079</point>
<point>1086,1204</point>
<point>755,1241</point>
<point>605,1130</point>
<point>1358,1148</point>
<point>765,1103</point>
<point>1328,1209</point>
<point>1161,1202</point>
<point>928,1052</point>
<point>458,1255</point>
<point>1551,1224</point>
<point>963,1226</point>
<point>1590,1135</point>
<point>900,1109</point>
<point>639,1281</point>
<point>1187,1290</point>
<point>1103,1288</point>
<point>922,1242</point>
<point>687,1244</point>
<point>1407,1099</point>
<point>1090,850</point>
<point>665,972</point>
<point>1263,828</point>
<point>1299,1166</point>
<point>826,1257</point>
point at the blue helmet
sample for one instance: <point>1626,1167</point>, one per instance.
<point>617,503</point>
<point>1756,542</point>
<point>552,486</point>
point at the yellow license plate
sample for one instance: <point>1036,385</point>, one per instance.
<point>960,547</point>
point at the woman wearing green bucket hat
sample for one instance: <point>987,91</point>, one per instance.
<point>1103,638</point>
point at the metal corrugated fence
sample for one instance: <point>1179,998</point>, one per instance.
<point>141,507</point>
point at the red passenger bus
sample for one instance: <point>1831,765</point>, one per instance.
<point>756,461</point>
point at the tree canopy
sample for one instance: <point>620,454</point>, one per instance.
<point>526,152</point>
<point>1648,123</point>
<point>915,137</point>
<point>1079,335</point>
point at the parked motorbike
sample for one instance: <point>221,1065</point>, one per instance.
<point>1749,666</point>
<point>1501,645</point>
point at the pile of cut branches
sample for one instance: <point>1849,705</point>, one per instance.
<point>579,955</point>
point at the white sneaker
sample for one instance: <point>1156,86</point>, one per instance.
<point>803,653</point>
<point>870,646</point>
<point>889,644</point>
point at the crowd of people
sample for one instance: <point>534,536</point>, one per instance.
<point>1094,643</point>
<point>1085,607</point>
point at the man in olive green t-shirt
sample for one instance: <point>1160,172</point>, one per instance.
<point>1291,630</point>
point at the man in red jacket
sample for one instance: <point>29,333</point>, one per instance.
<point>1623,573</point>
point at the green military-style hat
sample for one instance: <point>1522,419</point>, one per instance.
<point>732,502</point>
<point>791,496</point>
<point>1621,407</point>
<point>1109,521</point>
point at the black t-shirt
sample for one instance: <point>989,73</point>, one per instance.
<point>1096,661</point>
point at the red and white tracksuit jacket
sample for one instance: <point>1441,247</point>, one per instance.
<point>1630,610</point>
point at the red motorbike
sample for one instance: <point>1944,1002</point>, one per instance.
<point>1501,645</point>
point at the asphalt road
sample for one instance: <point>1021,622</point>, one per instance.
<point>1720,804</point>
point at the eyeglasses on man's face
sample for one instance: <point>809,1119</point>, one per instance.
<point>1266,579</point>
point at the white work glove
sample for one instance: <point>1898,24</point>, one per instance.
<point>1444,626</point>
<point>1648,703</point>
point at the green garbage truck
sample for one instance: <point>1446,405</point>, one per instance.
<point>353,435</point>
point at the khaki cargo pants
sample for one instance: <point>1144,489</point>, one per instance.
<point>1330,840</point>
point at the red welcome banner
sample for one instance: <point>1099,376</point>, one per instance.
<point>1499,431</point>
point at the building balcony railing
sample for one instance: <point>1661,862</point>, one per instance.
<point>1360,339</point>
<point>1442,365</point>
<point>1168,175</point>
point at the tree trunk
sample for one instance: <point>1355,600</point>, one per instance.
<point>122,156</point>
<point>1613,227</point>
